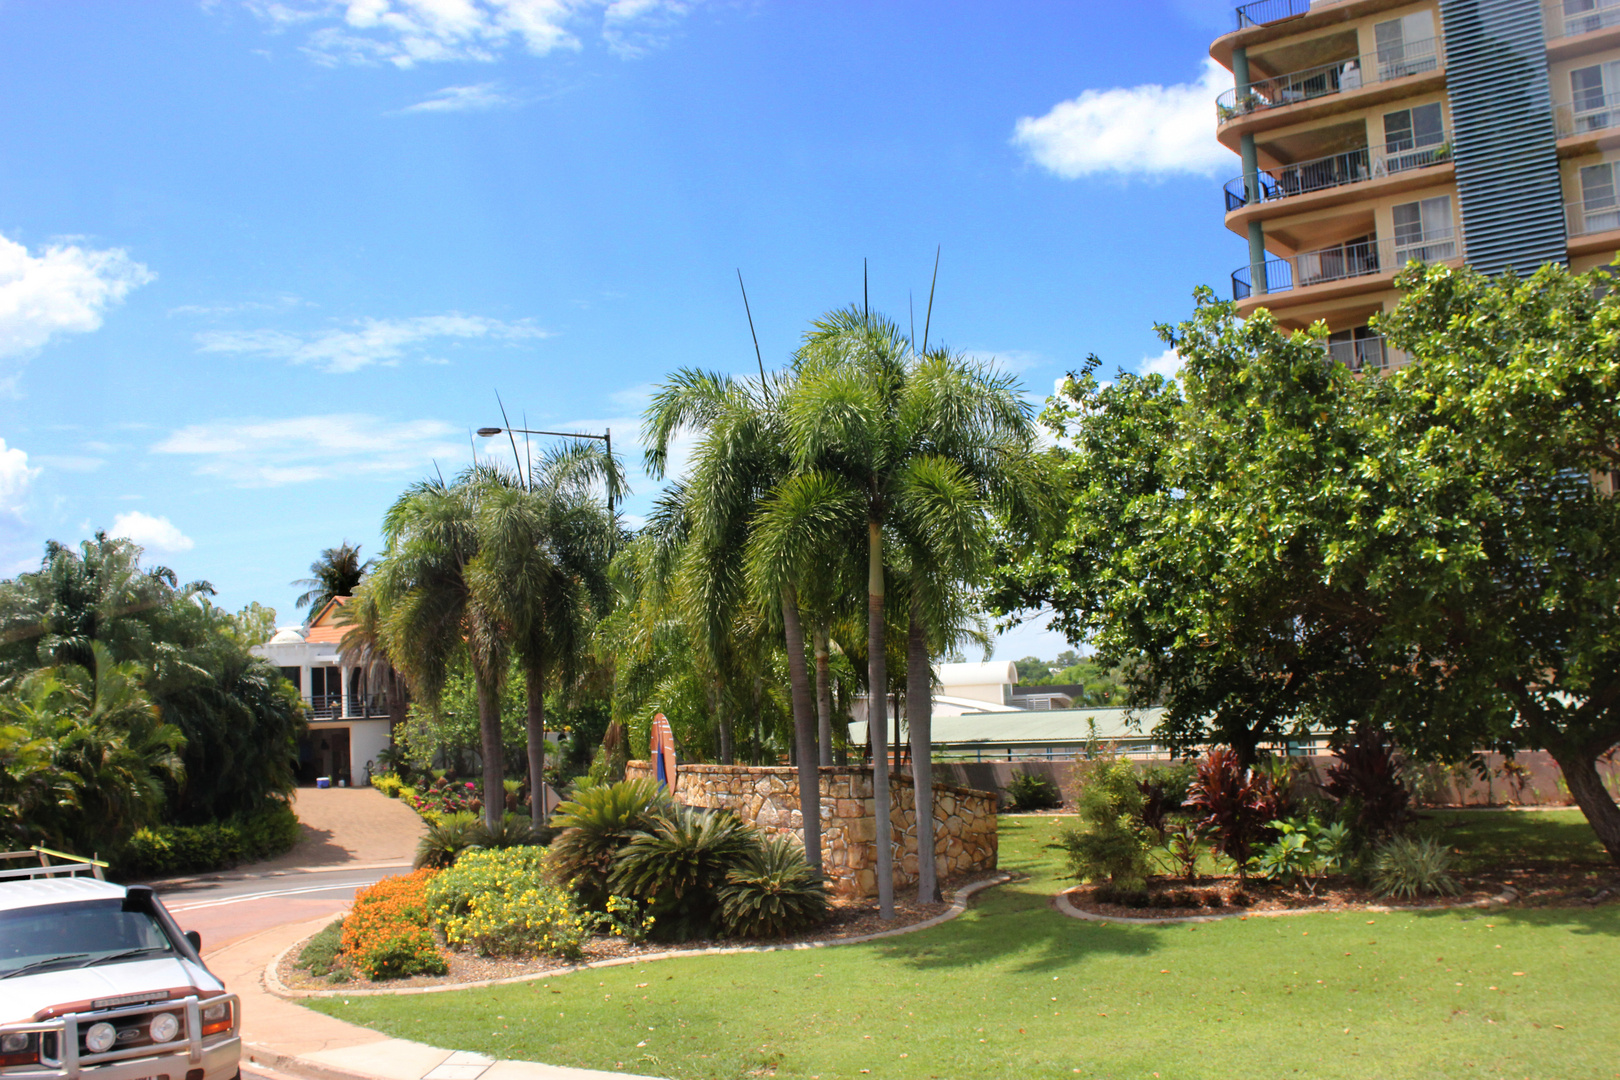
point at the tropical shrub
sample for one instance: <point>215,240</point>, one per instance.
<point>1304,850</point>
<point>1032,791</point>
<point>447,838</point>
<point>773,892</point>
<point>625,918</point>
<point>1164,791</point>
<point>389,784</point>
<point>1367,783</point>
<point>595,824</point>
<point>447,796</point>
<point>1187,840</point>
<point>321,955</point>
<point>183,849</point>
<point>386,934</point>
<point>678,865</point>
<point>513,830</point>
<point>502,903</point>
<point>1110,843</point>
<point>1237,805</point>
<point>1408,867</point>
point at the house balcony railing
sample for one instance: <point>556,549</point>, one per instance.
<point>1260,12</point>
<point>1336,170</point>
<point>1342,262</point>
<point>1352,73</point>
<point>357,707</point>
<point>1593,112</point>
<point>1567,18</point>
<point>1589,216</point>
<point>1370,353</point>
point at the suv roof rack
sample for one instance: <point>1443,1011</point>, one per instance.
<point>76,864</point>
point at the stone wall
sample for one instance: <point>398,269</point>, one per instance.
<point>964,819</point>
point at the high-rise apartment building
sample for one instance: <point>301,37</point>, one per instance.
<point>1373,132</point>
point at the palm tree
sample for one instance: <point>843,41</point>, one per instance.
<point>544,549</point>
<point>338,572</point>
<point>738,461</point>
<point>423,587</point>
<point>922,447</point>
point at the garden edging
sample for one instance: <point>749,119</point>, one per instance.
<point>1061,901</point>
<point>959,904</point>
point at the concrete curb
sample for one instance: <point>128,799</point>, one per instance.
<point>959,904</point>
<point>1061,901</point>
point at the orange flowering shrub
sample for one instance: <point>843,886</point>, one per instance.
<point>386,935</point>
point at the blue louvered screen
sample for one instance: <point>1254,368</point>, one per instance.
<point>1505,146</point>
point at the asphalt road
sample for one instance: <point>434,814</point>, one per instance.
<point>225,907</point>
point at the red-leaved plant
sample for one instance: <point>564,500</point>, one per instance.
<point>1237,805</point>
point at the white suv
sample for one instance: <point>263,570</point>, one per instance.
<point>97,981</point>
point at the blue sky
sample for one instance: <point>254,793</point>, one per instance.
<point>262,264</point>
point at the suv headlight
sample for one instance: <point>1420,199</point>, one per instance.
<point>100,1038</point>
<point>165,1026</point>
<point>216,1017</point>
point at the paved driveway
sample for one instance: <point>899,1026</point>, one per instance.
<point>349,826</point>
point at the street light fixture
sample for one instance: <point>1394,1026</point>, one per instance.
<point>489,432</point>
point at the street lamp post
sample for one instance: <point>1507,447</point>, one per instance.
<point>490,432</point>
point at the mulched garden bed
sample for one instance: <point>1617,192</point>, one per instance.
<point>1178,899</point>
<point>849,919</point>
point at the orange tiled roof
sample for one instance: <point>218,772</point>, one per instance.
<point>323,629</point>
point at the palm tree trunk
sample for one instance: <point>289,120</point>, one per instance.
<point>877,721</point>
<point>804,729</point>
<point>723,721</point>
<point>537,745</point>
<point>823,693</point>
<point>489,730</point>
<point>920,719</point>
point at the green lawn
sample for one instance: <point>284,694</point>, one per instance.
<point>1516,838</point>
<point>1014,990</point>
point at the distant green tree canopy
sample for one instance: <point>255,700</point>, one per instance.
<point>1282,543</point>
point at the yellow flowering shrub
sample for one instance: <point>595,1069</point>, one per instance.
<point>499,903</point>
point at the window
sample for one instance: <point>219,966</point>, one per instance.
<point>1599,211</point>
<point>1592,94</point>
<point>1413,137</point>
<point>294,676</point>
<point>1406,45</point>
<point>1423,230</point>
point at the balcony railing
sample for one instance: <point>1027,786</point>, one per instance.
<point>1566,19</point>
<point>1260,12</point>
<point>1594,112</point>
<point>359,706</point>
<point>1592,216</point>
<point>1370,353</point>
<point>1343,261</point>
<point>1352,73</point>
<point>1337,170</point>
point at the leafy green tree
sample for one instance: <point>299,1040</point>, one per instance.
<point>1437,550</point>
<point>338,572</point>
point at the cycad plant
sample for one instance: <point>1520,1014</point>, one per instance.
<point>595,824</point>
<point>677,866</point>
<point>773,892</point>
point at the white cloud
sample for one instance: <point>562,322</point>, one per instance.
<point>406,33</point>
<point>302,449</point>
<point>65,289</point>
<point>462,99</point>
<point>1166,363</point>
<point>372,341</point>
<point>83,463</point>
<point>155,533</point>
<point>15,478</point>
<point>1147,130</point>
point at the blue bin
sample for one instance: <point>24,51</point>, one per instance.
<point>323,781</point>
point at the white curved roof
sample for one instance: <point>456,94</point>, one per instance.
<point>289,635</point>
<point>995,672</point>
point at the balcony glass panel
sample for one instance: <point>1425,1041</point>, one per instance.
<point>1566,18</point>
<point>1351,259</point>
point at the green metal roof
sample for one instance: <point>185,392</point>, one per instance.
<point>1037,727</point>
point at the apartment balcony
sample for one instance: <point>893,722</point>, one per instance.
<point>1369,353</point>
<point>356,707</point>
<point>1593,226</point>
<point>1261,12</point>
<point>1343,263</point>
<point>1593,119</point>
<point>1336,170</point>
<point>1324,80</point>
<point>1574,29</point>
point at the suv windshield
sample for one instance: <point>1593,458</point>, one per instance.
<point>77,935</point>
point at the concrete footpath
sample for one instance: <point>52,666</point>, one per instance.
<point>280,1035</point>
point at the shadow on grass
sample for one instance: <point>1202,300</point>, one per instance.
<point>1603,920</point>
<point>1527,839</point>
